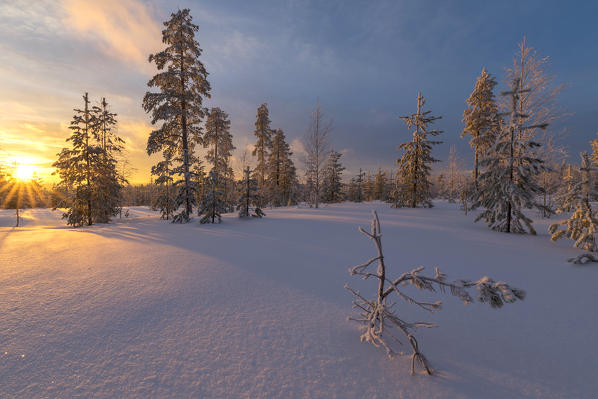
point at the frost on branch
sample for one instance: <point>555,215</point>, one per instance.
<point>378,316</point>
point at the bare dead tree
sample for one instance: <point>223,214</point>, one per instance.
<point>378,317</point>
<point>317,147</point>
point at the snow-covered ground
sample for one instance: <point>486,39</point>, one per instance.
<point>142,308</point>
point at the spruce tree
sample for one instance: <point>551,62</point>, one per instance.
<point>582,226</point>
<point>281,176</point>
<point>480,118</point>
<point>332,190</point>
<point>413,184</point>
<point>109,182</point>
<point>249,201</point>
<point>358,182</point>
<point>165,199</point>
<point>212,205</point>
<point>263,133</point>
<point>182,84</point>
<point>380,185</point>
<point>507,186</point>
<point>80,168</point>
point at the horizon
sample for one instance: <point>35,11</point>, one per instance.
<point>288,55</point>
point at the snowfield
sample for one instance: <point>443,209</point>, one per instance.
<point>142,308</point>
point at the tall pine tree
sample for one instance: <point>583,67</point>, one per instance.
<point>481,119</point>
<point>263,133</point>
<point>182,85</point>
<point>332,190</point>
<point>249,200</point>
<point>87,171</point>
<point>507,186</point>
<point>281,176</point>
<point>413,184</point>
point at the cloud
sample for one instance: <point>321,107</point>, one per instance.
<point>297,147</point>
<point>124,29</point>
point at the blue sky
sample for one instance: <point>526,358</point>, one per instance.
<point>364,60</point>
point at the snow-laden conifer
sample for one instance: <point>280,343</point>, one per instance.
<point>182,84</point>
<point>164,201</point>
<point>88,170</point>
<point>332,187</point>
<point>413,184</point>
<point>508,186</point>
<point>249,200</point>
<point>378,316</point>
<point>109,183</point>
<point>581,227</point>
<point>282,176</point>
<point>481,119</point>
<point>219,142</point>
<point>263,133</point>
<point>212,205</point>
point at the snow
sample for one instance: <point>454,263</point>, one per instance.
<point>256,308</point>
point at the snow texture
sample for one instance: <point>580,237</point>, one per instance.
<point>143,308</point>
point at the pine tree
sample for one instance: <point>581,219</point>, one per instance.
<point>413,188</point>
<point>80,166</point>
<point>582,226</point>
<point>212,206</point>
<point>507,186</point>
<point>380,185</point>
<point>109,182</point>
<point>182,85</point>
<point>249,201</point>
<point>264,141</point>
<point>481,118</point>
<point>332,187</point>
<point>165,199</point>
<point>368,190</point>
<point>281,176</point>
<point>359,186</point>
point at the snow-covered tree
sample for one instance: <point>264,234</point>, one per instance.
<point>182,84</point>
<point>263,133</point>
<point>87,169</point>
<point>282,176</point>
<point>368,190</point>
<point>332,184</point>
<point>164,201</point>
<point>212,205</point>
<point>218,140</point>
<point>413,184</point>
<point>109,182</point>
<point>508,186</point>
<point>582,226</point>
<point>481,118</point>
<point>453,176</point>
<point>249,200</point>
<point>317,147</point>
<point>356,191</point>
<point>378,316</point>
<point>380,185</point>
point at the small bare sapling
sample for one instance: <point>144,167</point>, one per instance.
<point>378,316</point>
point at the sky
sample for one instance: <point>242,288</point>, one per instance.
<point>363,61</point>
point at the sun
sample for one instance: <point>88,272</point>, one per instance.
<point>24,172</point>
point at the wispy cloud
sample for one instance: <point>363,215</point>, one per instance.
<point>125,29</point>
